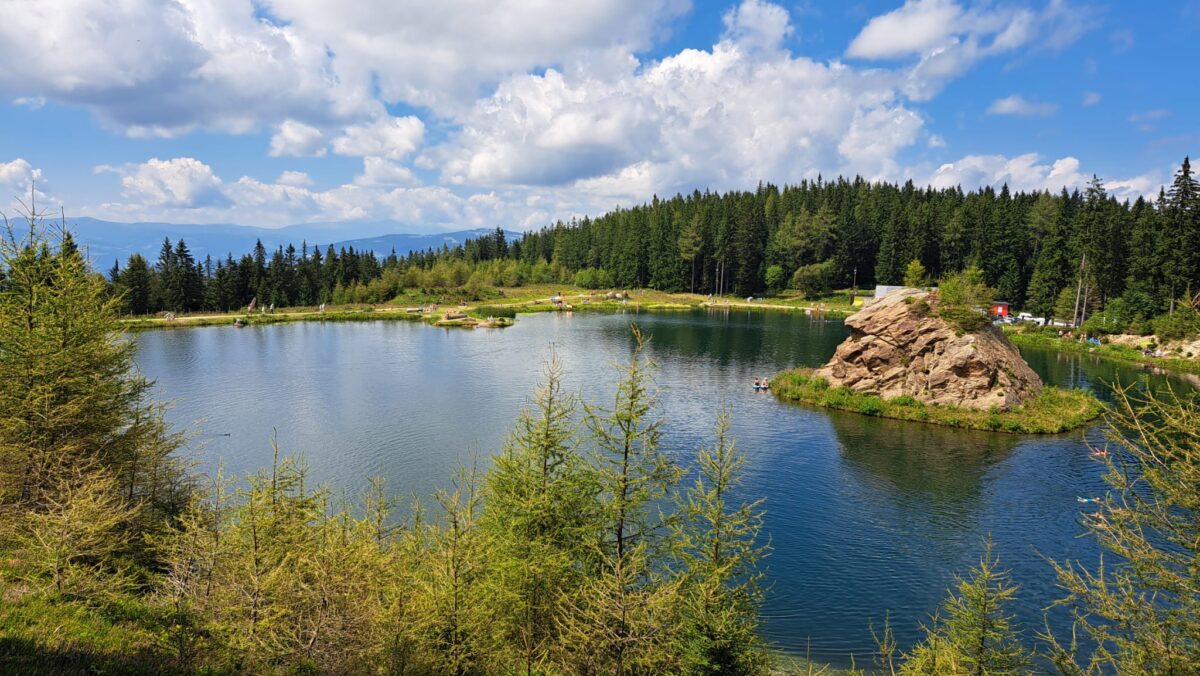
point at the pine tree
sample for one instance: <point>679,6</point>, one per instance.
<point>167,290</point>
<point>451,618</point>
<point>1051,266</point>
<point>619,620</point>
<point>1181,234</point>
<point>750,238</point>
<point>914,274</point>
<point>690,243</point>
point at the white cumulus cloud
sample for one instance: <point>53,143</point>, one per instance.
<point>297,139</point>
<point>179,182</point>
<point>1020,106</point>
<point>914,28</point>
<point>390,137</point>
<point>1027,173</point>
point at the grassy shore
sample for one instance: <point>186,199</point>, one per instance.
<point>500,308</point>
<point>1054,410</point>
<point>1049,339</point>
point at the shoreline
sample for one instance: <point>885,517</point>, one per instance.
<point>646,300</point>
<point>1117,353</point>
<point>474,314</point>
<point>1054,411</point>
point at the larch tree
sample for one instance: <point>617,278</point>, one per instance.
<point>974,634</point>
<point>539,514</point>
<point>1140,604</point>
<point>720,552</point>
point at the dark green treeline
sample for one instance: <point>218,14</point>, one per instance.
<point>1041,251</point>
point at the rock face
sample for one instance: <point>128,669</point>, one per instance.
<point>899,346</point>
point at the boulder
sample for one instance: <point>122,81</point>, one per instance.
<point>899,346</point>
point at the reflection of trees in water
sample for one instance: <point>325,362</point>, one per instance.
<point>743,336</point>
<point>1069,369</point>
<point>925,462</point>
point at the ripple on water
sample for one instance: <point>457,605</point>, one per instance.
<point>865,516</point>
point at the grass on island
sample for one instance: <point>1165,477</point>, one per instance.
<point>1054,410</point>
<point>1049,339</point>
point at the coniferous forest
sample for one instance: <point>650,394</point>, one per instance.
<point>1067,255</point>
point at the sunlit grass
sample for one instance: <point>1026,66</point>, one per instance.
<point>1054,410</point>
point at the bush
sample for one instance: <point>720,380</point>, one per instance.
<point>504,311</point>
<point>813,280</point>
<point>871,406</point>
<point>1183,323</point>
<point>964,298</point>
<point>1119,316</point>
<point>594,278</point>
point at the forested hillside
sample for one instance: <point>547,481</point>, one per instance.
<point>1054,254</point>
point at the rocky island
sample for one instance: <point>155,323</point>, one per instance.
<point>908,357</point>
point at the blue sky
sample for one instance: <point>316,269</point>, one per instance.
<point>466,113</point>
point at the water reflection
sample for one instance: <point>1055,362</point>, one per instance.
<point>940,464</point>
<point>865,515</point>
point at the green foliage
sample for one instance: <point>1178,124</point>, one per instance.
<point>871,406</point>
<point>72,543</point>
<point>500,311</point>
<point>1183,323</point>
<point>590,278</point>
<point>1139,606</point>
<point>776,279</point>
<point>813,280</point>
<point>71,400</point>
<point>964,299</point>
<point>720,552</point>
<point>1054,410</point>
<point>973,634</point>
<point>540,515</point>
<point>915,274</point>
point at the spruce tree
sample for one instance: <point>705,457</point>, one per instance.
<point>1051,267</point>
<point>69,393</point>
<point>137,286</point>
<point>1181,235</point>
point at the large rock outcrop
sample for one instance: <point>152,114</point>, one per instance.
<point>898,345</point>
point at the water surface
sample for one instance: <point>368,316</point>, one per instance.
<point>865,516</point>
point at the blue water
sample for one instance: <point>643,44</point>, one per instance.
<point>865,516</point>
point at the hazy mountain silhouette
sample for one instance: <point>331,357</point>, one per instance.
<point>106,241</point>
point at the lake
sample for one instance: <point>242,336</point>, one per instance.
<point>865,516</point>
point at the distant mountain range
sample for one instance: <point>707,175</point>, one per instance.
<point>106,241</point>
